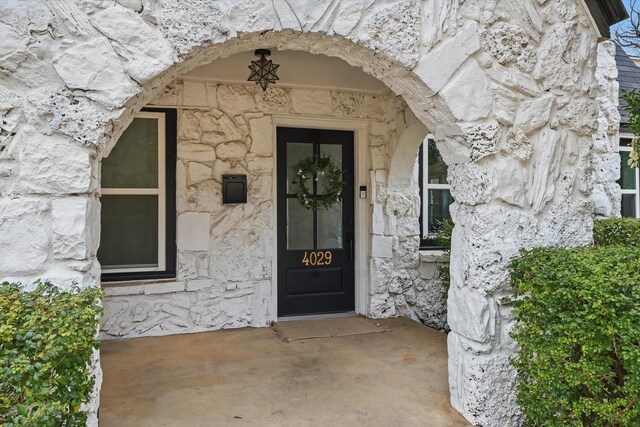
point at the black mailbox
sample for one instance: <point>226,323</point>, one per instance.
<point>234,189</point>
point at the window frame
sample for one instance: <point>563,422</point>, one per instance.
<point>427,240</point>
<point>166,192</point>
<point>635,191</point>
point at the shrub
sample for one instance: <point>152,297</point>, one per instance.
<point>47,338</point>
<point>443,236</point>
<point>578,313</point>
<point>617,231</point>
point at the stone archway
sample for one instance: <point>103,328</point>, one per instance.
<point>519,96</point>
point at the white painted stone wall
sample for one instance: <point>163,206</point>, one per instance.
<point>518,94</point>
<point>224,277</point>
<point>605,192</point>
<point>404,281</point>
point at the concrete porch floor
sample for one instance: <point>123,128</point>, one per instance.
<point>249,377</point>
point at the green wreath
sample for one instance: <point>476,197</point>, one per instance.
<point>312,168</point>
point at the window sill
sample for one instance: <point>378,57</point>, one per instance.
<point>137,276</point>
<point>140,287</point>
<point>433,255</point>
<point>117,283</point>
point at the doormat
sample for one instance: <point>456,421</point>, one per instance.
<point>297,330</point>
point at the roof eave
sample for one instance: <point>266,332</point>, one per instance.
<point>606,13</point>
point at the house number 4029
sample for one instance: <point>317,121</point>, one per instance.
<point>317,258</point>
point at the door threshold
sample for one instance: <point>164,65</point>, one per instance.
<point>317,316</point>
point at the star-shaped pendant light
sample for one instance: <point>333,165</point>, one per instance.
<point>263,71</point>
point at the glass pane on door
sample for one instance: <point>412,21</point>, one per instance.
<point>295,153</point>
<point>335,152</point>
<point>330,227</point>
<point>299,226</point>
<point>330,220</point>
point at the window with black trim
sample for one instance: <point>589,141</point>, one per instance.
<point>138,221</point>
<point>435,192</point>
<point>629,180</point>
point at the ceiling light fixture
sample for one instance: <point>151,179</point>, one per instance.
<point>263,71</point>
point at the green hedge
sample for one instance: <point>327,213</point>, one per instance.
<point>578,329</point>
<point>46,341</point>
<point>617,231</point>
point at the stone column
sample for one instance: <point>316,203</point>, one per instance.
<point>481,380</point>
<point>50,213</point>
<point>529,181</point>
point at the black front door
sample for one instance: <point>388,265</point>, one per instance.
<point>315,248</point>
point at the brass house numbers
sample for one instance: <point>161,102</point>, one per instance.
<point>317,258</point>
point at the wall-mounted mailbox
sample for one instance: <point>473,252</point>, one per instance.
<point>234,189</point>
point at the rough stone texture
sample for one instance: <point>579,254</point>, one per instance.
<point>403,280</point>
<point>72,74</point>
<point>21,218</point>
<point>606,192</point>
<point>509,43</point>
<point>94,399</point>
<point>144,53</point>
<point>76,235</point>
<point>225,251</point>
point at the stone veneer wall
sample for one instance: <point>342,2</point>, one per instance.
<point>225,252</point>
<point>520,96</point>
<point>404,281</point>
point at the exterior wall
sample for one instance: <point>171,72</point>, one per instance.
<point>513,91</point>
<point>605,193</point>
<point>225,279</point>
<point>404,280</point>
<point>427,301</point>
<point>415,291</point>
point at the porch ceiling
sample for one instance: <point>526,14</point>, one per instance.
<point>250,377</point>
<point>297,69</point>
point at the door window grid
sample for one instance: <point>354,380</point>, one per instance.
<point>318,241</point>
<point>159,192</point>
<point>625,147</point>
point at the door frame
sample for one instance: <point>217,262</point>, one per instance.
<point>360,129</point>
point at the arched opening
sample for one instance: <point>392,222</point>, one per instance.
<point>224,125</point>
<point>393,190</point>
<point>229,257</point>
<point>429,108</point>
<point>456,119</point>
